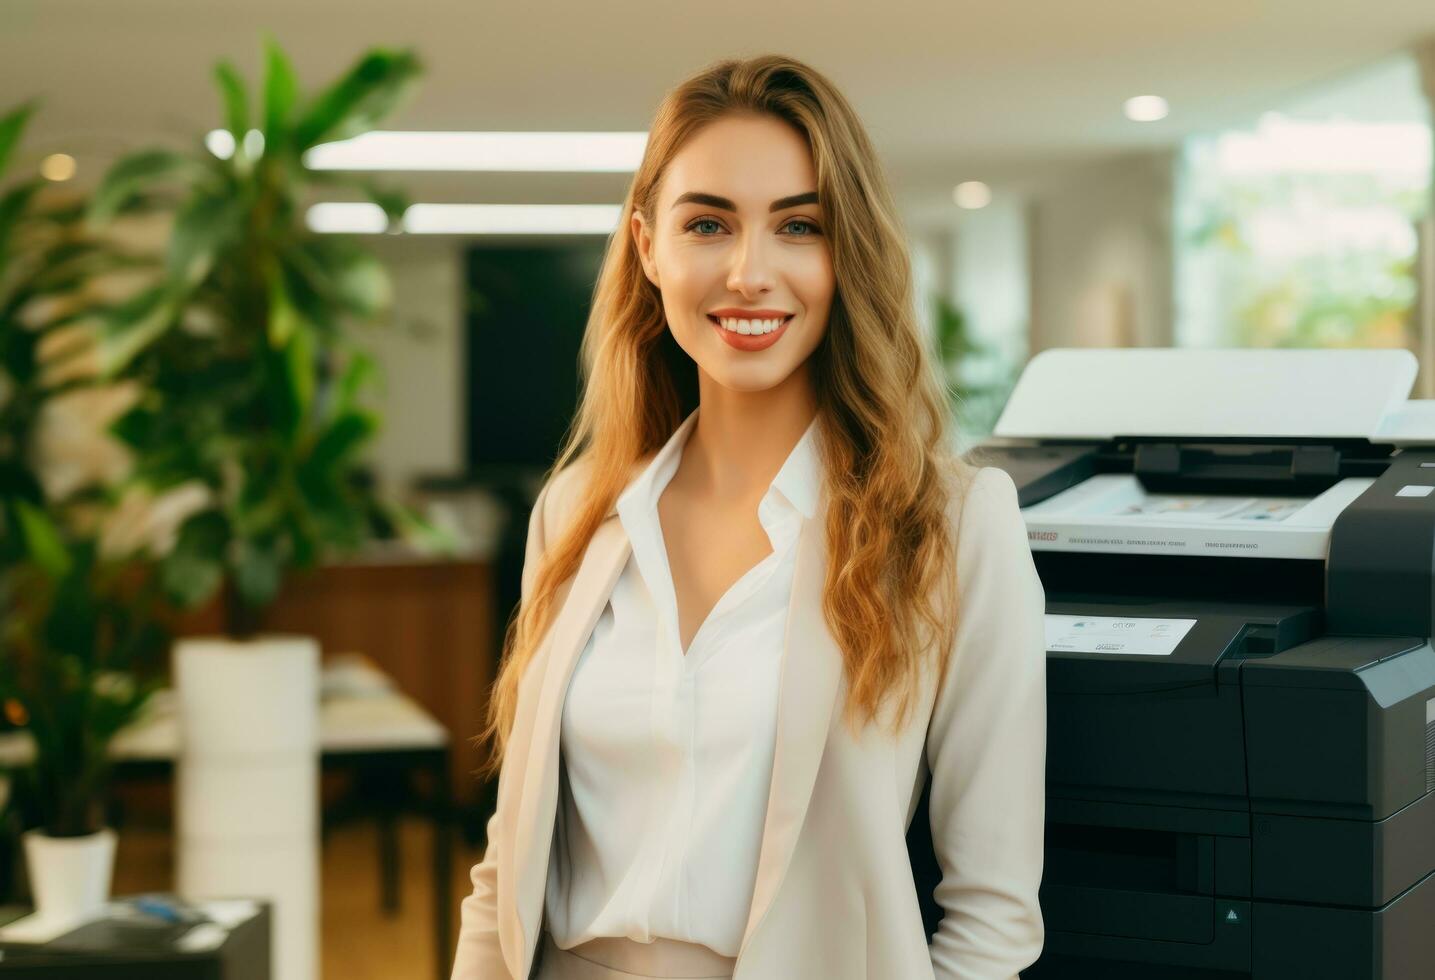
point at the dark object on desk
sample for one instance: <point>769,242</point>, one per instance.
<point>125,950</point>
<point>120,936</point>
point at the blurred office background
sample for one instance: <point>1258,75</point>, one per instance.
<point>1103,174</point>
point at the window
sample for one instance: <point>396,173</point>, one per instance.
<point>1303,230</point>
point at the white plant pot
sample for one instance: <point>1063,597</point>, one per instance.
<point>69,876</point>
<point>247,783</point>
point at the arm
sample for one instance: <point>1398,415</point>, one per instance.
<point>986,747</point>
<point>479,956</point>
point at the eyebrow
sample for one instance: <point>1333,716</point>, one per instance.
<point>714,201</point>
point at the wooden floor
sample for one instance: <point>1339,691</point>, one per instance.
<point>359,941</point>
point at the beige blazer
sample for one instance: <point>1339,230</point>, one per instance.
<point>834,897</point>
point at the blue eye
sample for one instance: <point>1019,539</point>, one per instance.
<point>811,231</point>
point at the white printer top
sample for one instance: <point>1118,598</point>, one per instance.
<point>1208,396</point>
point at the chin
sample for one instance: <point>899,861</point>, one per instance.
<point>750,380</point>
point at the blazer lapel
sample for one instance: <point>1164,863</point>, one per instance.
<point>810,681</point>
<point>538,801</point>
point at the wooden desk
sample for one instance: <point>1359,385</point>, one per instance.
<point>429,625</point>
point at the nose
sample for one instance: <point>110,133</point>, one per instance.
<point>751,273</point>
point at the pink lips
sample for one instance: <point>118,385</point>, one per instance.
<point>750,342</point>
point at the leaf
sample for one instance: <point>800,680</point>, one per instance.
<point>344,273</point>
<point>12,206</point>
<point>259,509</point>
<point>339,440</point>
<point>281,91</point>
<point>362,285</point>
<point>356,102</point>
<point>138,428</point>
<point>131,175</point>
<point>71,625</point>
<point>11,126</point>
<point>193,571</point>
<point>307,286</point>
<point>42,539</point>
<point>133,325</point>
<point>284,319</point>
<point>360,369</point>
<point>236,101</point>
<point>257,572</point>
<point>201,230</point>
<point>343,526</point>
<point>288,379</point>
<point>66,268</point>
<point>394,202</point>
<point>299,371</point>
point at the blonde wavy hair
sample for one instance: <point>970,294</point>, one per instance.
<point>883,416</point>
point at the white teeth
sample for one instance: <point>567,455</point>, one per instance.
<point>749,327</point>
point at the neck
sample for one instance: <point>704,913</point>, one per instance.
<point>742,438</point>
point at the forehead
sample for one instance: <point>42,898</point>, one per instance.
<point>749,158</point>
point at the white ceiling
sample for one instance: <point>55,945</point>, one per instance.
<point>1006,92</point>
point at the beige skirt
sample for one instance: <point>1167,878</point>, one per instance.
<point>625,959</point>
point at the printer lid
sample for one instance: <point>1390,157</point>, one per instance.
<point>1102,394</point>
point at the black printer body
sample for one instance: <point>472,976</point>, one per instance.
<point>1241,685</point>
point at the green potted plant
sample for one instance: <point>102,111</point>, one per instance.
<point>250,385</point>
<point>251,381</point>
<point>80,640</point>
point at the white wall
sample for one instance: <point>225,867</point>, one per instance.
<point>1101,261</point>
<point>420,355</point>
<point>990,276</point>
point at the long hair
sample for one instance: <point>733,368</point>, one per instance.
<point>890,472</point>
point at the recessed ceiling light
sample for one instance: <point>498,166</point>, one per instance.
<point>617,152</point>
<point>1146,108</point>
<point>972,194</point>
<point>57,167</point>
<point>220,142</point>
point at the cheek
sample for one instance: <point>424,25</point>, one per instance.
<point>686,272</point>
<point>814,281</point>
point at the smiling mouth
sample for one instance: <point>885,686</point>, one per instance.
<point>750,328</point>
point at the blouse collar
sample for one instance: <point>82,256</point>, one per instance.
<point>799,479</point>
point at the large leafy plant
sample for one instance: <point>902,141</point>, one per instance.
<point>251,382</point>
<point>80,641</point>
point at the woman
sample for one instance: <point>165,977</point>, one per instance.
<point>762,600</point>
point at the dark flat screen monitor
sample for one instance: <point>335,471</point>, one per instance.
<point>526,311</point>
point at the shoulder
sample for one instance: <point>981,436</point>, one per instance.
<point>565,486</point>
<point>563,491</point>
<point>992,487</point>
<point>980,494</point>
<point>987,519</point>
<point>568,488</point>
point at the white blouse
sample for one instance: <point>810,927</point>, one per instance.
<point>667,756</point>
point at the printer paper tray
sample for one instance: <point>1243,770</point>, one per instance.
<point>1129,914</point>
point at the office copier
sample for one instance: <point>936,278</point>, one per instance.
<point>1238,553</point>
